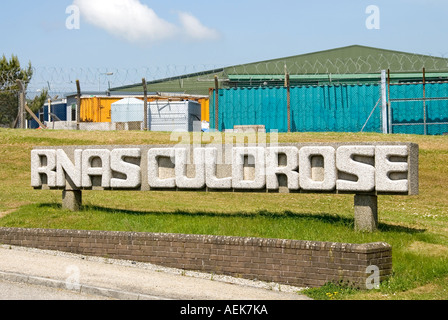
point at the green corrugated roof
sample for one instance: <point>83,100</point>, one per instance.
<point>195,83</point>
<point>350,61</point>
<point>347,60</point>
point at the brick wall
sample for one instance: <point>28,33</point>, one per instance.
<point>292,262</point>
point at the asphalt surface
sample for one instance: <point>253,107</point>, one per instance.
<point>125,280</point>
<point>19,291</point>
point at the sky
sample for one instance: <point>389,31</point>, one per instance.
<point>67,40</point>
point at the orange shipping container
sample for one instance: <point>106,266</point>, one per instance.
<point>205,109</point>
<point>97,109</point>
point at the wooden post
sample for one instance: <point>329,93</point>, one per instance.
<point>216,103</point>
<point>34,117</point>
<point>49,110</point>
<point>22,101</point>
<point>145,105</point>
<point>78,100</point>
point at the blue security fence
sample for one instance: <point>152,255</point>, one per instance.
<point>250,106</point>
<point>415,108</point>
<point>337,108</point>
<point>419,108</point>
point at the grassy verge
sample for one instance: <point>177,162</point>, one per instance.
<point>416,227</point>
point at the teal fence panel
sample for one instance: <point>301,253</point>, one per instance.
<point>343,108</point>
<point>250,106</point>
<point>412,114</point>
<point>337,108</point>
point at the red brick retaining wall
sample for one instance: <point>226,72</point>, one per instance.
<point>292,262</point>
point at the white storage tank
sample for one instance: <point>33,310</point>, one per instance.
<point>127,110</point>
<point>169,116</point>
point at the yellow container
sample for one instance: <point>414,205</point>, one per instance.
<point>97,109</point>
<point>205,109</point>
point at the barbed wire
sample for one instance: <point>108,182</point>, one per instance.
<point>61,80</point>
<point>369,64</point>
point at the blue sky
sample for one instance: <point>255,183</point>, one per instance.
<point>214,33</point>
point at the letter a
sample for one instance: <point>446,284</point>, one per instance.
<point>73,20</point>
<point>373,21</point>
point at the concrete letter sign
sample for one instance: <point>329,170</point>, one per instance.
<point>43,164</point>
<point>158,159</point>
<point>68,172</point>
<point>317,168</point>
<point>392,169</point>
<point>243,160</point>
<point>288,169</point>
<point>212,181</point>
<point>184,182</point>
<point>96,163</point>
<point>336,168</point>
<point>365,170</point>
<point>349,162</point>
<point>131,172</point>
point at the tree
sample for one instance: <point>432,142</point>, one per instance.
<point>10,71</point>
<point>38,102</point>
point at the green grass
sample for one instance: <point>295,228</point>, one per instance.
<point>415,226</point>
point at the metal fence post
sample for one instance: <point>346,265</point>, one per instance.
<point>216,103</point>
<point>145,105</point>
<point>384,102</point>
<point>389,111</point>
<point>424,103</point>
<point>288,100</point>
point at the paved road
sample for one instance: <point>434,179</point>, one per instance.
<point>98,278</point>
<point>24,291</point>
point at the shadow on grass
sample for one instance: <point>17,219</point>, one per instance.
<point>320,217</point>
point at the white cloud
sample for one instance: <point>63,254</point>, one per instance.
<point>135,22</point>
<point>194,29</point>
